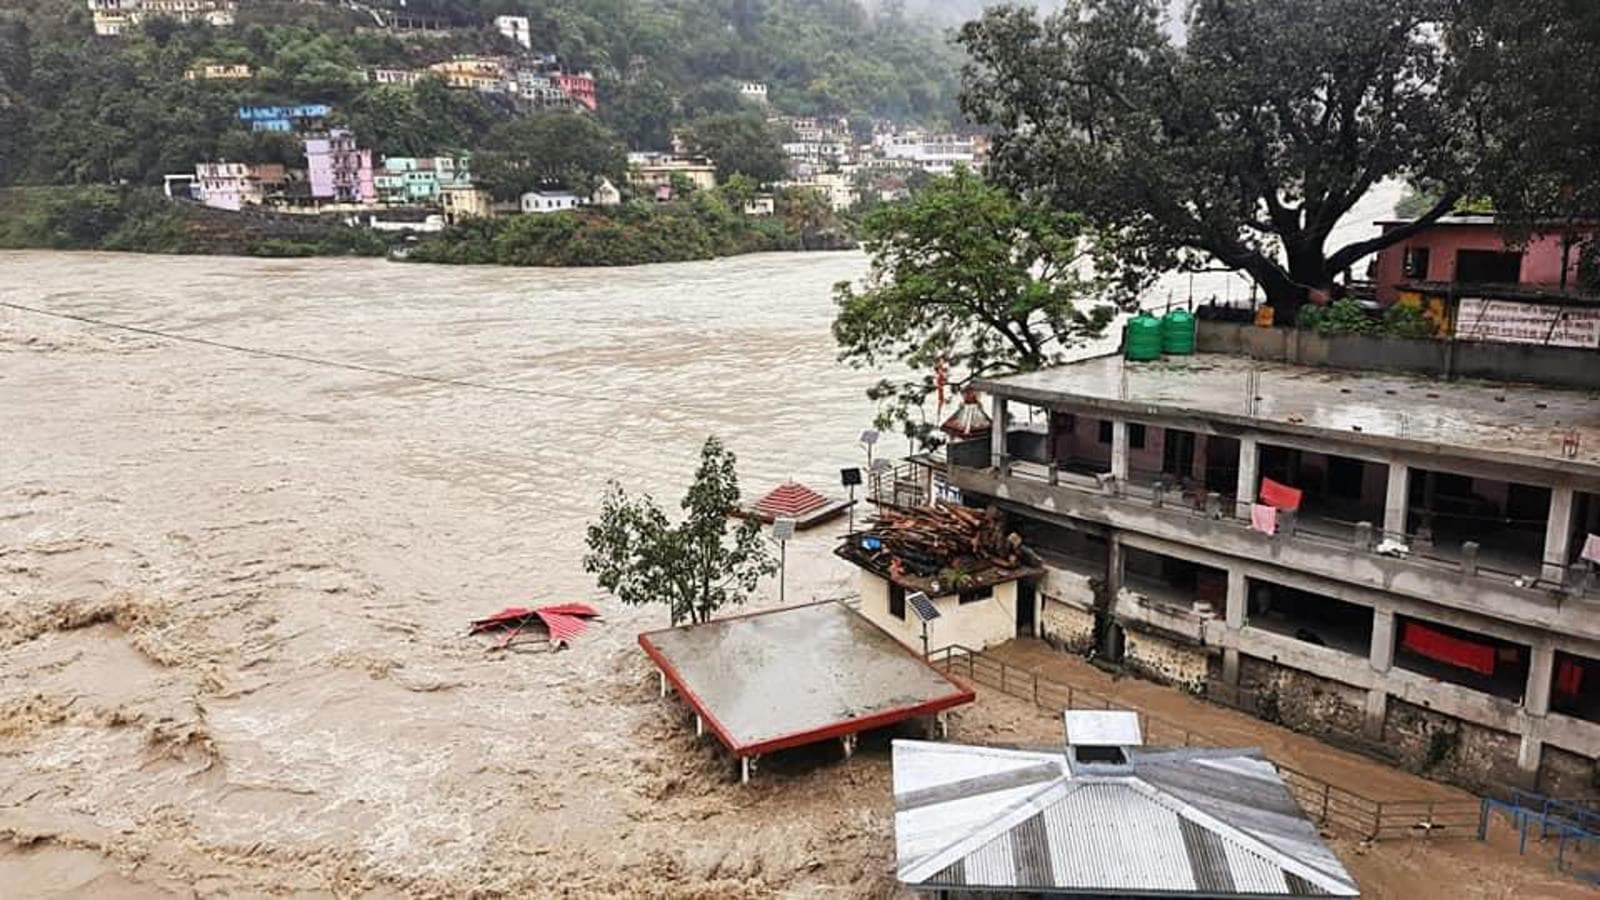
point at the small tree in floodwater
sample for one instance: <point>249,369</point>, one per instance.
<point>697,567</point>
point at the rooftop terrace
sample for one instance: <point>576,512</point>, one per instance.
<point>1544,427</point>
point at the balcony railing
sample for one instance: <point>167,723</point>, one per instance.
<point>1322,531</point>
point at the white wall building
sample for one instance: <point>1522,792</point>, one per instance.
<point>545,202</point>
<point>976,619</point>
<point>754,91</point>
<point>516,28</point>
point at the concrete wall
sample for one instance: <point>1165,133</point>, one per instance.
<point>978,625</point>
<point>1559,366</point>
<point>1305,702</point>
<point>1167,659</point>
<point>1066,613</point>
<point>1433,743</point>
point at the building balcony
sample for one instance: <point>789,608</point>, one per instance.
<point>1319,547</point>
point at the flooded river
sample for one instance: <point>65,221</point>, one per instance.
<point>275,562</point>
<point>233,586</point>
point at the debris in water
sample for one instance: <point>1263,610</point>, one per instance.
<point>560,622</point>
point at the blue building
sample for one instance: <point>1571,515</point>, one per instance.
<point>309,117</point>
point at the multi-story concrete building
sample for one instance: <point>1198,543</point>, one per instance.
<point>838,188</point>
<point>754,91</point>
<point>338,170</point>
<point>475,73</point>
<point>1379,558</point>
<point>219,72</point>
<point>516,28</point>
<point>402,77</point>
<point>937,154</point>
<point>114,17</point>
<point>232,185</point>
<point>648,172</point>
<point>411,181</point>
<point>580,86</point>
<point>307,117</point>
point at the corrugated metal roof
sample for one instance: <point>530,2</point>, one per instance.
<point>1206,823</point>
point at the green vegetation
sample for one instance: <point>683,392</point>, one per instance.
<point>140,220</point>
<point>741,144</point>
<point>76,109</point>
<point>550,149</point>
<point>642,558</point>
<point>1346,316</point>
<point>1267,125</point>
<point>967,278</point>
<point>704,226</point>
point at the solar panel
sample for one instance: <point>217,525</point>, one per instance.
<point>924,607</point>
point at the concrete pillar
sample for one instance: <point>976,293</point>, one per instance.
<point>1249,476</point>
<point>1381,654</point>
<point>1377,712</point>
<point>1535,704</point>
<point>744,770</point>
<point>997,432</point>
<point>1238,600</point>
<point>1202,455</point>
<point>1541,671</point>
<point>1396,502</point>
<point>1558,536</point>
<point>1119,450</point>
<point>1230,666</point>
<point>1114,563</point>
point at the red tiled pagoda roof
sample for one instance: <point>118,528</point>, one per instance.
<point>791,500</point>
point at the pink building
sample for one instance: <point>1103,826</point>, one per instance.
<point>233,186</point>
<point>1470,249</point>
<point>579,87</point>
<point>339,170</point>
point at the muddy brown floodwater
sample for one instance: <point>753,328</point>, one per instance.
<point>233,587</point>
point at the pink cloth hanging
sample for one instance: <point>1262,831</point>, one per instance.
<point>1264,518</point>
<point>1591,548</point>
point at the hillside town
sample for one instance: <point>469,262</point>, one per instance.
<point>1171,471</point>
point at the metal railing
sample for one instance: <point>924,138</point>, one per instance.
<point>1576,827</point>
<point>1322,801</point>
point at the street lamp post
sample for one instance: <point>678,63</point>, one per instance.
<point>782,531</point>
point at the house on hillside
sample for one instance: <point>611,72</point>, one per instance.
<point>648,172</point>
<point>545,202</point>
<point>606,194</point>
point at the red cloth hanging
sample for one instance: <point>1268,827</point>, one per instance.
<point>1569,678</point>
<point>1280,495</point>
<point>1437,645</point>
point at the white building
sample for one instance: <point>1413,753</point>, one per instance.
<point>837,188</point>
<point>761,206</point>
<point>516,28</point>
<point>754,91</point>
<point>937,154</point>
<point>115,17</point>
<point>545,202</point>
<point>606,194</point>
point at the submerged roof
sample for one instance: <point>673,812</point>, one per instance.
<point>1528,424</point>
<point>791,499</point>
<point>1190,822</point>
<point>788,677</point>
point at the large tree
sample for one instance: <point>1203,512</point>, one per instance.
<point>1244,145</point>
<point>967,281</point>
<point>540,152</point>
<point>1528,76</point>
<point>696,567</point>
<point>740,144</point>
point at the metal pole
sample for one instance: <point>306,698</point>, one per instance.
<point>852,526</point>
<point>783,568</point>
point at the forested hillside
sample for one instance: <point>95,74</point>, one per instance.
<point>79,109</point>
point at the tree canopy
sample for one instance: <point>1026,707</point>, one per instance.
<point>1244,145</point>
<point>1527,76</point>
<point>968,279</point>
<point>546,151</point>
<point>740,144</point>
<point>642,558</point>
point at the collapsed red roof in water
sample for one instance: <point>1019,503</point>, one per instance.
<point>563,621</point>
<point>790,500</point>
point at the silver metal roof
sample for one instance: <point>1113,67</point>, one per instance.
<point>1103,727</point>
<point>1185,823</point>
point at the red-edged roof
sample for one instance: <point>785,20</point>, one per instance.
<point>791,500</point>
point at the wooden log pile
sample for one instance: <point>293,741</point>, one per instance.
<point>928,540</point>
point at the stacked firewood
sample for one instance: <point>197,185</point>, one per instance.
<point>931,539</point>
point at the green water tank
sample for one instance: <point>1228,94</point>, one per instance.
<point>1177,333</point>
<point>1143,341</point>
